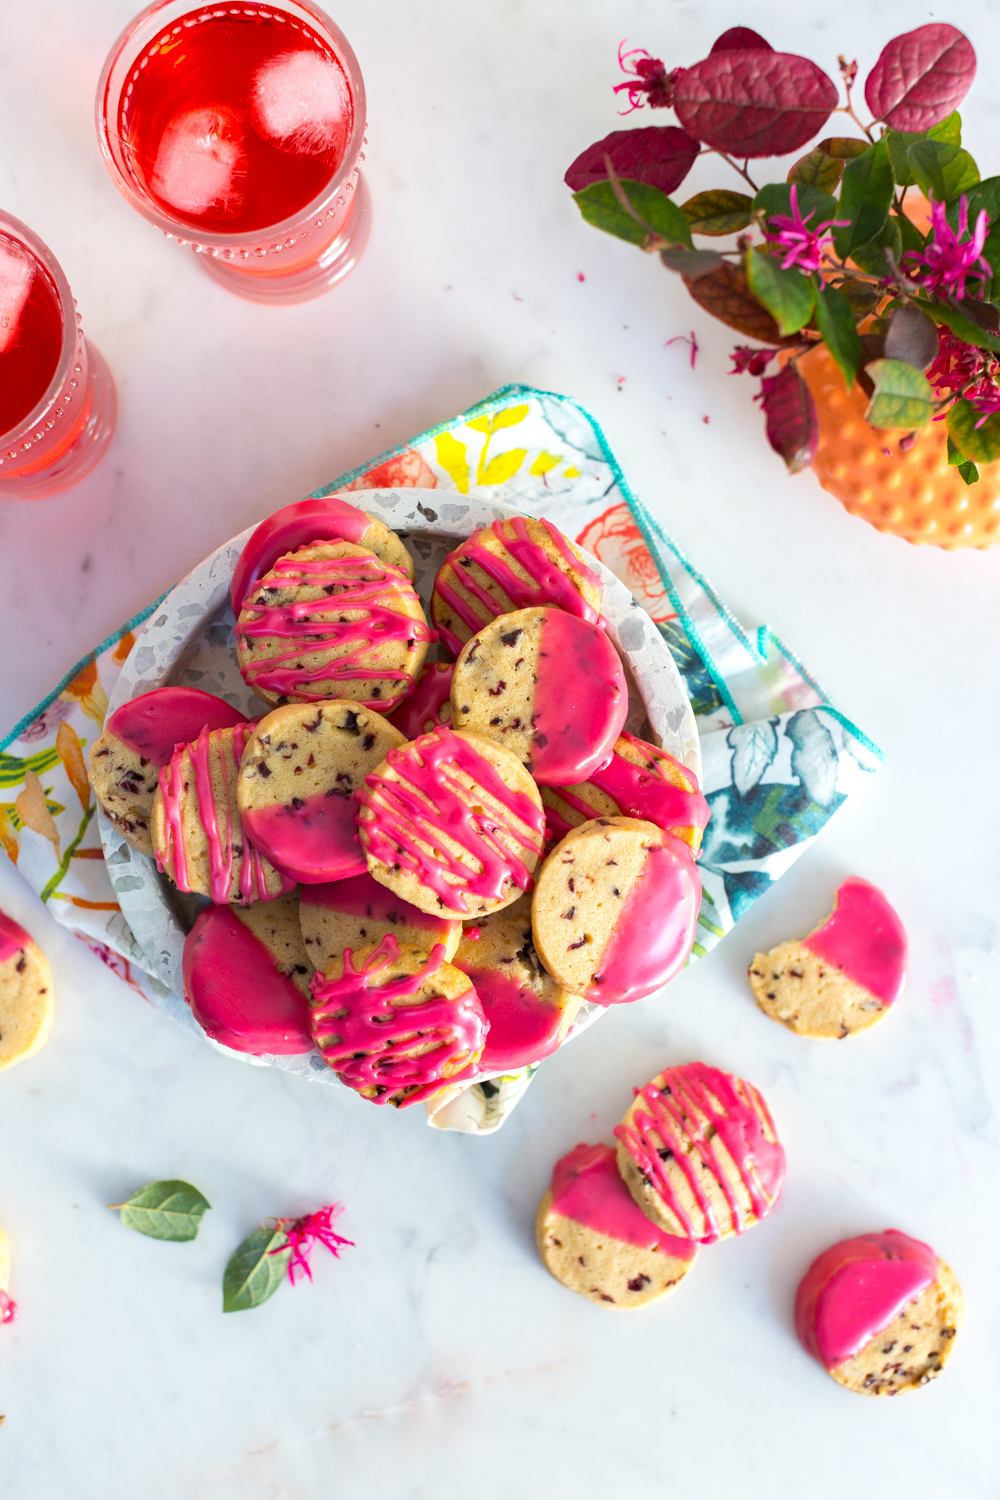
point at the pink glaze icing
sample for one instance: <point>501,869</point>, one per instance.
<point>855,1289</point>
<point>653,935</point>
<point>350,593</point>
<point>551,585</point>
<point>523,1027</point>
<point>864,938</point>
<point>733,1111</point>
<point>646,794</point>
<point>430,796</point>
<point>325,518</point>
<point>586,1186</point>
<point>155,723</point>
<point>12,937</point>
<point>581,700</point>
<point>359,1045</point>
<point>236,991</point>
<point>313,839</point>
<point>361,896</point>
<point>419,713</point>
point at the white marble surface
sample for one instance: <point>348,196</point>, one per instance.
<point>437,1358</point>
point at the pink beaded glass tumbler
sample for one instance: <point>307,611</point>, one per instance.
<point>57,398</point>
<point>238,130</point>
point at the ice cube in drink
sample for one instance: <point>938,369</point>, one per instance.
<point>17,272</point>
<point>301,102</point>
<point>200,163</point>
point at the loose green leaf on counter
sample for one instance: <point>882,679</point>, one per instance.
<point>169,1210</point>
<point>255,1269</point>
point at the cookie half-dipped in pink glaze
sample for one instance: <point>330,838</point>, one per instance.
<point>581,700</point>
<point>318,519</point>
<point>420,712</point>
<point>236,992</point>
<point>155,723</point>
<point>855,1289</point>
<point>312,839</point>
<point>12,937</point>
<point>586,1187</point>
<point>361,896</point>
<point>864,938</point>
<point>524,1028</point>
<point>638,792</point>
<point>655,930</point>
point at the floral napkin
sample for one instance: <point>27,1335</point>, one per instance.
<point>778,758</point>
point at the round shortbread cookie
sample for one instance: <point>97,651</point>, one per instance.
<point>357,912</point>
<point>515,564</point>
<point>639,781</point>
<point>298,776</point>
<point>593,1238</point>
<point>698,1151</point>
<point>880,1312</point>
<point>395,1023</point>
<point>844,976</point>
<point>332,621</point>
<point>198,837</point>
<point>26,997</point>
<point>453,823</point>
<point>615,908</point>
<point>429,704</point>
<point>548,687</point>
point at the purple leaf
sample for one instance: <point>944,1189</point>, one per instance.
<point>921,77</point>
<point>790,413</point>
<point>741,39</point>
<point>659,155</point>
<point>754,103</point>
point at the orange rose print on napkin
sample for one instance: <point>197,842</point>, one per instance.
<point>617,541</point>
<point>406,471</point>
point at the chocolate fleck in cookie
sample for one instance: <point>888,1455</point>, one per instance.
<point>698,1151</point>
<point>198,836</point>
<point>452,823</point>
<point>246,977</point>
<point>879,1312</point>
<point>515,564</point>
<point>332,621</point>
<point>357,912</point>
<point>298,776</point>
<point>429,704</point>
<point>395,1023</point>
<point>639,781</point>
<point>615,908</point>
<point>136,741</point>
<point>844,976</point>
<point>547,686</point>
<point>593,1238</point>
<point>529,1014</point>
<point>26,1000</point>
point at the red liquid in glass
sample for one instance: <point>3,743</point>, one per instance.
<point>231,121</point>
<point>28,361</point>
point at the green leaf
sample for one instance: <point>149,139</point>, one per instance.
<point>862,296</point>
<point>788,295</point>
<point>948,130</point>
<point>843,147</point>
<point>903,396</point>
<point>253,1273</point>
<point>910,236</point>
<point>168,1210</point>
<point>864,199</point>
<point>691,263</point>
<point>942,171</point>
<point>980,444</point>
<point>776,198</point>
<point>970,332</point>
<point>718,212</point>
<point>661,217</point>
<point>835,321</point>
<point>966,468</point>
<point>872,258</point>
<point>817,170</point>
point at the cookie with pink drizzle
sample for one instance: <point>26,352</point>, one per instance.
<point>592,1237</point>
<point>246,977</point>
<point>639,781</point>
<point>26,996</point>
<point>198,835</point>
<point>547,686</point>
<point>879,1312</point>
<point>332,621</point>
<point>517,564</point>
<point>396,1023</point>
<point>615,909</point>
<point>136,741</point>
<point>844,976</point>
<point>357,912</point>
<point>452,823</point>
<point>699,1153</point>
<point>300,773</point>
<point>429,704</point>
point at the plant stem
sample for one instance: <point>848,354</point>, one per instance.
<point>711,151</point>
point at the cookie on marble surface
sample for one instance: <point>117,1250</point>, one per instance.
<point>547,686</point>
<point>615,908</point>
<point>136,741</point>
<point>299,772</point>
<point>879,1312</point>
<point>453,823</point>
<point>639,781</point>
<point>593,1238</point>
<point>428,706</point>
<point>844,976</point>
<point>357,912</point>
<point>26,996</point>
<point>699,1153</point>
<point>332,621</point>
<point>514,564</point>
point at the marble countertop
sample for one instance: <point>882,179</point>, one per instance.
<point>437,1359</point>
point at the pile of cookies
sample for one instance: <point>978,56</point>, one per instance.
<point>422,869</point>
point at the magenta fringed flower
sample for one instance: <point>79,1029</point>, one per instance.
<point>962,368</point>
<point>748,361</point>
<point>303,1235</point>
<point>943,265</point>
<point>8,1308</point>
<point>648,83</point>
<point>803,245</point>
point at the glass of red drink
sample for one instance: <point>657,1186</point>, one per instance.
<point>239,131</point>
<point>57,398</point>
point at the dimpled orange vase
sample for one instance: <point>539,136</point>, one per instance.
<point>911,493</point>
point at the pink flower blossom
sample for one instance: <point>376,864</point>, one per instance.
<point>963,367</point>
<point>649,83</point>
<point>943,265</point>
<point>681,338</point>
<point>305,1234</point>
<point>8,1308</point>
<point>750,361</point>
<point>804,247</point>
